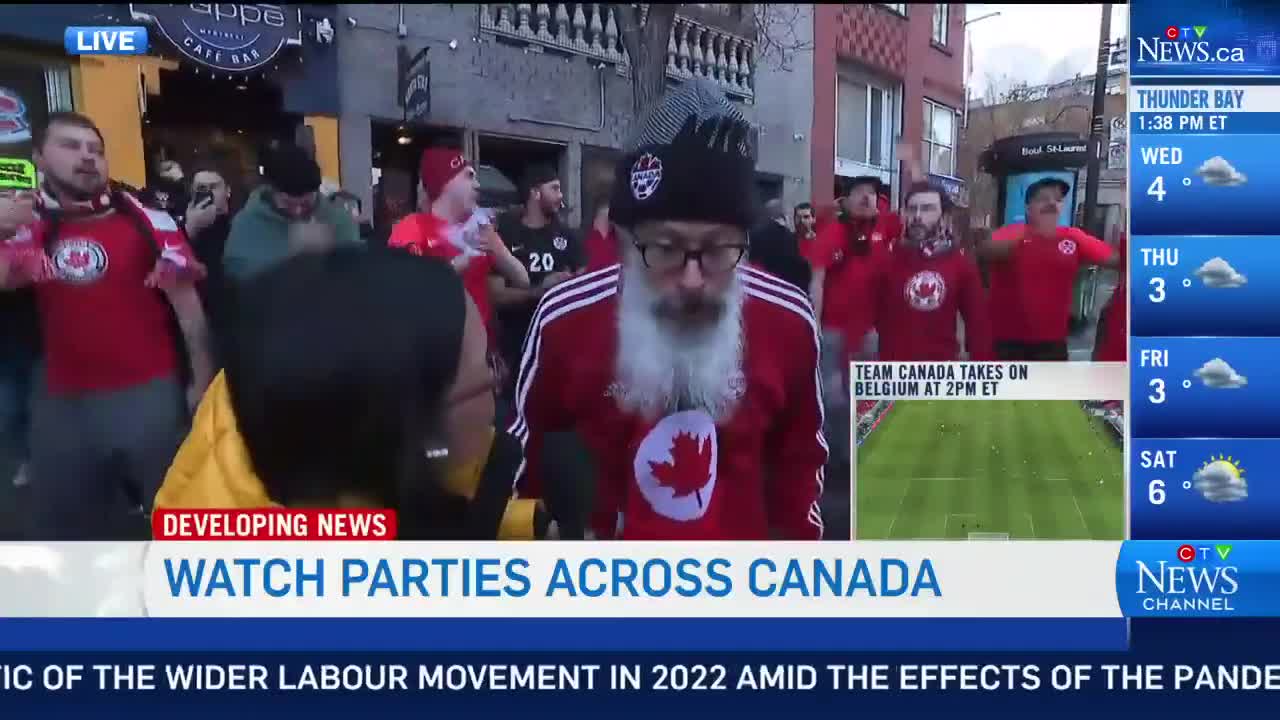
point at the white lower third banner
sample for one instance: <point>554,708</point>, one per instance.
<point>965,579</point>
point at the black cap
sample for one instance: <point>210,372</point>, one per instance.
<point>876,183</point>
<point>539,174</point>
<point>1036,186</point>
<point>292,170</point>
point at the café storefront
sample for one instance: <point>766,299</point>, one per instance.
<point>220,83</point>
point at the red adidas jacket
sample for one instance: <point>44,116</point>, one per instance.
<point>755,476</point>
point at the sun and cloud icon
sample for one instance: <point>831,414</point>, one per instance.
<point>1221,480</point>
<point>1217,374</point>
<point>1218,273</point>
<point>1218,172</point>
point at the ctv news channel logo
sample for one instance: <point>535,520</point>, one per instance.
<point>1186,44</point>
<point>105,40</point>
<point>1199,579</point>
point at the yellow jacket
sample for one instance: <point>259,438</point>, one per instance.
<point>212,469</point>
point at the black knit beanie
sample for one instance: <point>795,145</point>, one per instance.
<point>691,160</point>
<point>292,171</point>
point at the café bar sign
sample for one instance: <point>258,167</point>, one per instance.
<point>229,37</point>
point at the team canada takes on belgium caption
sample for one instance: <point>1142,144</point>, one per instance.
<point>940,380</point>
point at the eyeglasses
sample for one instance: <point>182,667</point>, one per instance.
<point>713,259</point>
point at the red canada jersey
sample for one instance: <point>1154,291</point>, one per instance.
<point>851,254</point>
<point>755,475</point>
<point>427,235</point>
<point>1032,288</point>
<point>1113,345</point>
<point>918,301</point>
<point>103,328</point>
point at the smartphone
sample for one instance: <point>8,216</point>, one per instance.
<point>202,199</point>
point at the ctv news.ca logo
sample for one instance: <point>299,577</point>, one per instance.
<point>1186,44</point>
<point>1199,580</point>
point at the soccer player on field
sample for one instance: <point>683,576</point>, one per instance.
<point>1033,268</point>
<point>924,283</point>
<point>691,376</point>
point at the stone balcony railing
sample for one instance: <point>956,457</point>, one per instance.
<point>590,29</point>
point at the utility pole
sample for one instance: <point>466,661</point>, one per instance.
<point>1094,167</point>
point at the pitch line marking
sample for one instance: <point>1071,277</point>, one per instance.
<point>1076,502</point>
<point>1083,522</point>
<point>905,491</point>
<point>946,522</point>
<point>1031,521</point>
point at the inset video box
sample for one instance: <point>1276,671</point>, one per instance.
<point>988,451</point>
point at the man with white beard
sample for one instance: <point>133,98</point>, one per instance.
<point>690,376</point>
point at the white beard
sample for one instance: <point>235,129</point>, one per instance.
<point>661,370</point>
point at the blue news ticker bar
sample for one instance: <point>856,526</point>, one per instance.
<point>562,635</point>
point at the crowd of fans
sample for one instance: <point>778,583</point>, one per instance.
<point>487,374</point>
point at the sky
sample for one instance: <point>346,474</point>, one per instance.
<point>1036,43</point>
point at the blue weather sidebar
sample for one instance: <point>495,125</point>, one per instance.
<point>1204,261</point>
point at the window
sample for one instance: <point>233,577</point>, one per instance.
<point>941,19</point>
<point>900,8</point>
<point>864,123</point>
<point>939,139</point>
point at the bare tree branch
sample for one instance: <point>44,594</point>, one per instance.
<point>645,29</point>
<point>778,35</point>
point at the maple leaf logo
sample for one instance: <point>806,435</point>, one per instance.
<point>689,468</point>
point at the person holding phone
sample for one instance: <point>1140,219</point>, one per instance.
<point>207,224</point>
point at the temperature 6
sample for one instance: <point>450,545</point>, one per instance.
<point>1155,492</point>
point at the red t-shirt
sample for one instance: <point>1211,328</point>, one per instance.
<point>918,301</point>
<point>847,296</point>
<point>1112,346</point>
<point>602,249</point>
<point>427,235</point>
<point>103,328</point>
<point>1032,288</point>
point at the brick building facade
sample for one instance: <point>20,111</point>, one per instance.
<point>512,84</point>
<point>886,73</point>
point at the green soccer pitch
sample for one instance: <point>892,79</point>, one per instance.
<point>960,469</point>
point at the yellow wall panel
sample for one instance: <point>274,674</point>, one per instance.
<point>108,93</point>
<point>325,131</point>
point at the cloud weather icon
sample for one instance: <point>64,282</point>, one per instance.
<point>1218,273</point>
<point>1221,481</point>
<point>1219,375</point>
<point>1217,171</point>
